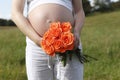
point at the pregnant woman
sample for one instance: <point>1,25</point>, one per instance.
<point>40,14</point>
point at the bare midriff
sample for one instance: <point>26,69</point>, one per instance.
<point>41,16</point>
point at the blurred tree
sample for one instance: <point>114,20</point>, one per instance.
<point>86,6</point>
<point>102,5</point>
<point>100,2</point>
<point>116,5</point>
<point>4,22</point>
<point>10,23</point>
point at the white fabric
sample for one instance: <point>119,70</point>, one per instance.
<point>35,3</point>
<point>38,69</point>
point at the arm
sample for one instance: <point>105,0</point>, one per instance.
<point>79,19</point>
<point>22,23</point>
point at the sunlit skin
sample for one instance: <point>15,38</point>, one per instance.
<point>42,16</point>
<point>38,20</point>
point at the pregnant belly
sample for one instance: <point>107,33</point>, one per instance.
<point>41,16</point>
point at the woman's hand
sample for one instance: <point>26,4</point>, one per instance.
<point>22,22</point>
<point>79,20</point>
<point>77,40</point>
<point>38,41</point>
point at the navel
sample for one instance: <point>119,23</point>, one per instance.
<point>48,21</point>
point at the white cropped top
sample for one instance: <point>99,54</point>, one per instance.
<point>34,3</point>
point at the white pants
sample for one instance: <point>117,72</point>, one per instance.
<point>37,65</point>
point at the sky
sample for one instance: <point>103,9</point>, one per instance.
<point>5,8</point>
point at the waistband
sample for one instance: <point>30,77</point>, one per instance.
<point>35,3</point>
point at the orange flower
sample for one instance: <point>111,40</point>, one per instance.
<point>67,39</point>
<point>55,32</point>
<point>70,47</point>
<point>55,25</point>
<point>57,44</point>
<point>49,40</point>
<point>66,26</point>
<point>46,34</point>
<point>49,50</point>
<point>58,38</point>
<point>61,50</point>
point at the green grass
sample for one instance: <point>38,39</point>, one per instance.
<point>12,47</point>
<point>100,39</point>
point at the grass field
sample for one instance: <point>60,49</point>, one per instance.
<point>100,39</point>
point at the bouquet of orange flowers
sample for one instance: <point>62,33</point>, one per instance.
<point>59,40</point>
